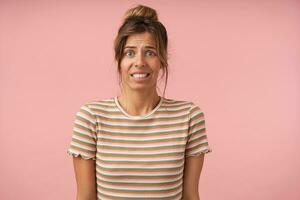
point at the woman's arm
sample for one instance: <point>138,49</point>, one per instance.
<point>192,170</point>
<point>86,178</point>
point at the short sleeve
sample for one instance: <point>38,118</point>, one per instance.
<point>84,135</point>
<point>197,141</point>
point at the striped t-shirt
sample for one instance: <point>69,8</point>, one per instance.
<point>139,157</point>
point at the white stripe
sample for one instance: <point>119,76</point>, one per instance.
<point>196,130</point>
<point>141,152</point>
<point>83,139</point>
<point>85,117</point>
<point>129,123</point>
<point>142,136</point>
<point>193,122</point>
<point>83,147</point>
<point>141,188</point>
<point>138,174</point>
<point>84,133</point>
<point>150,160</point>
<point>170,180</point>
<point>163,195</point>
<point>141,132</point>
<point>138,146</point>
<point>144,166</point>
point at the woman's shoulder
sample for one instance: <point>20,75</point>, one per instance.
<point>179,102</point>
<point>190,107</point>
<point>98,104</point>
<point>101,101</point>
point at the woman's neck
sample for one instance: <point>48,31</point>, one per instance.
<point>135,103</point>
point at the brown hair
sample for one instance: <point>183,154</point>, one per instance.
<point>142,19</point>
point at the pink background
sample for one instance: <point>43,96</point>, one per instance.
<point>238,60</point>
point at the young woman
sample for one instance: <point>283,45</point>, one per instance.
<point>139,145</point>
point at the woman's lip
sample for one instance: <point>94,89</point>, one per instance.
<point>140,73</point>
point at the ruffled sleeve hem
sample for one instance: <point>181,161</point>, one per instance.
<point>207,150</point>
<point>76,154</point>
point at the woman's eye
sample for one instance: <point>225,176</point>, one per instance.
<point>129,53</point>
<point>150,53</point>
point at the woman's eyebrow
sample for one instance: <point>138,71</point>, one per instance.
<point>131,47</point>
<point>134,47</point>
<point>150,47</point>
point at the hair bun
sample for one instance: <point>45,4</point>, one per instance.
<point>141,11</point>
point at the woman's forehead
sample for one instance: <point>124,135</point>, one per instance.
<point>145,39</point>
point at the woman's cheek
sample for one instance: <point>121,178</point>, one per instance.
<point>125,62</point>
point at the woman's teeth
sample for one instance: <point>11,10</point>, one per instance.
<point>139,75</point>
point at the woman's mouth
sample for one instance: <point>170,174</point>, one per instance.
<point>141,76</point>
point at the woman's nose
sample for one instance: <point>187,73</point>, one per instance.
<point>140,60</point>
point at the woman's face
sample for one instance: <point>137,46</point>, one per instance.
<point>140,58</point>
